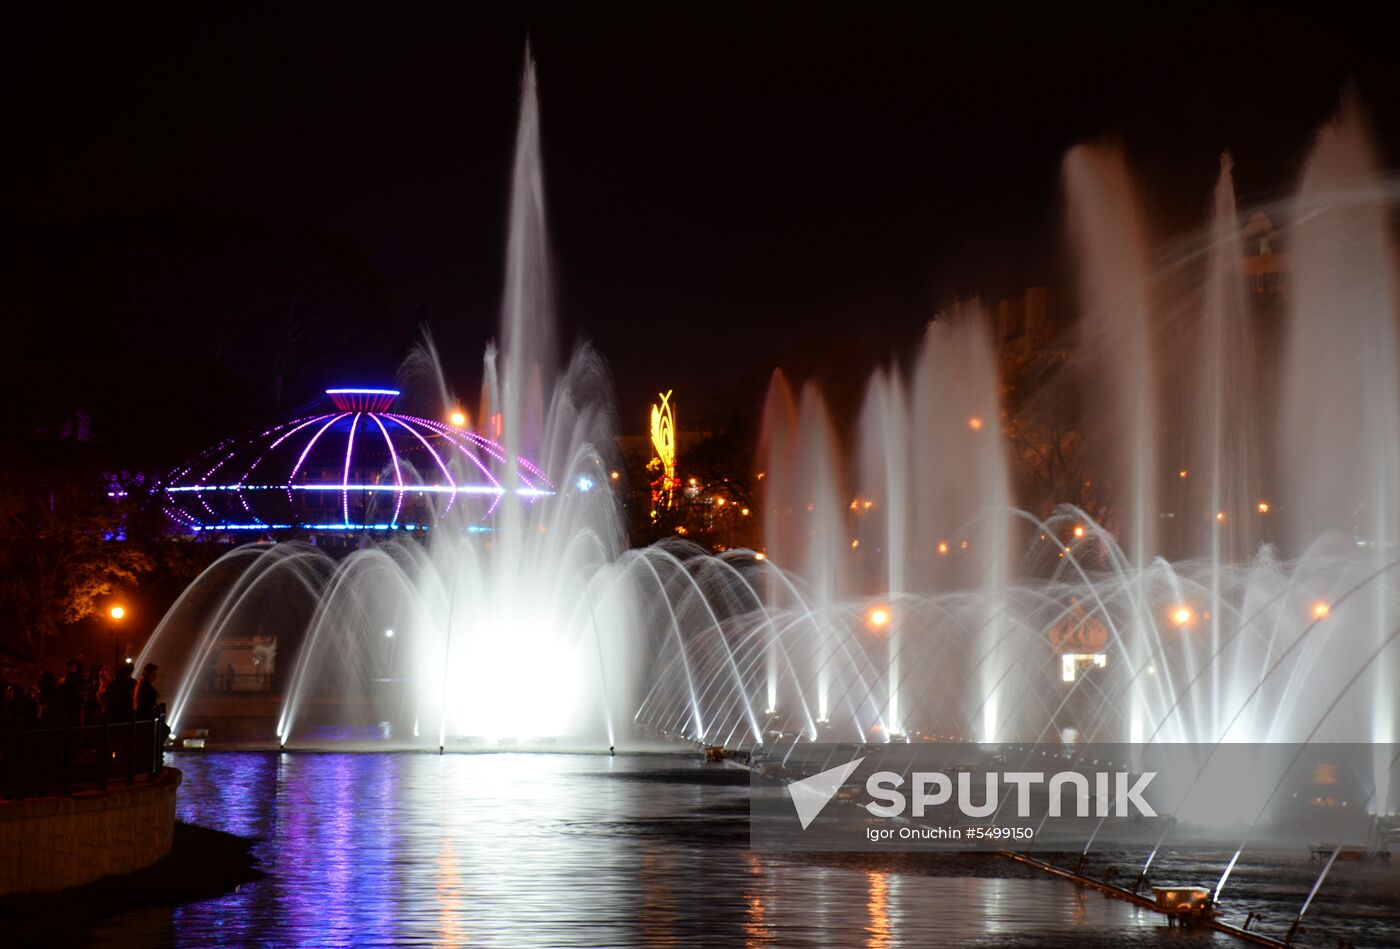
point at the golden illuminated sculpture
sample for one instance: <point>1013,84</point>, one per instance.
<point>663,445</point>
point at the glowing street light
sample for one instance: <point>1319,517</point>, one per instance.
<point>878,617</point>
<point>117,614</point>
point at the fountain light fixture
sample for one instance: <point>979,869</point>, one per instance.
<point>458,418</point>
<point>1262,507</point>
<point>1320,609</point>
<point>744,511</point>
<point>1078,530</point>
<point>615,475</point>
<point>942,546</point>
<point>878,617</point>
<point>855,542</point>
<point>1182,473</point>
<point>760,556</point>
<point>975,424</point>
<point>388,634</point>
<point>1220,517</point>
<point>1181,615</point>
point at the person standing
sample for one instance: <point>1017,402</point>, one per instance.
<point>146,694</point>
<point>117,698</point>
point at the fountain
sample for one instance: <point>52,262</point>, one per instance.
<point>1238,584</point>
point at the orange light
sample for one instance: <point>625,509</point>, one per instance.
<point>867,504</point>
<point>615,475</point>
<point>855,542</point>
<point>942,546</point>
<point>1181,615</point>
<point>719,501</point>
<point>1182,473</point>
<point>878,617</point>
<point>1320,609</point>
<point>1220,517</point>
<point>1262,507</point>
<point>117,612</point>
<point>1078,530</point>
<point>760,556</point>
<point>975,424</point>
<point>963,545</point>
<point>458,418</point>
<point>744,511</point>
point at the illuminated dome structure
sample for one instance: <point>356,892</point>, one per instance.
<point>358,467</point>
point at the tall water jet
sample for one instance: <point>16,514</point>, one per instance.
<point>961,536</point>
<point>1340,422</point>
<point>1116,337</point>
<point>1116,360</point>
<point>883,513</point>
<point>1224,500</point>
<point>777,450</point>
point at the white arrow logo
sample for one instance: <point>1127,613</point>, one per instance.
<point>810,795</point>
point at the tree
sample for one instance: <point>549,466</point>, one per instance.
<point>63,548</point>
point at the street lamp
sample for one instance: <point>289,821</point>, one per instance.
<point>117,614</point>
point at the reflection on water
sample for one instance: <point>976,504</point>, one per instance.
<point>564,850</point>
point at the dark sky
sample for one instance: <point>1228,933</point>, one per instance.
<point>185,190</point>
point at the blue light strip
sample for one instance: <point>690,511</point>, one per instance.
<point>472,529</point>
<point>394,488</point>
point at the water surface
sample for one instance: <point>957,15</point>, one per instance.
<point>571,850</point>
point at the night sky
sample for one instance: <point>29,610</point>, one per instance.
<point>222,211</point>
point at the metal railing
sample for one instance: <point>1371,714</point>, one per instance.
<point>41,761</point>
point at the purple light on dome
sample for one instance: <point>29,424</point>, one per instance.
<point>363,400</point>
<point>345,479</point>
<point>398,476</point>
<point>451,438</point>
<point>436,457</point>
<point>307,450</point>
